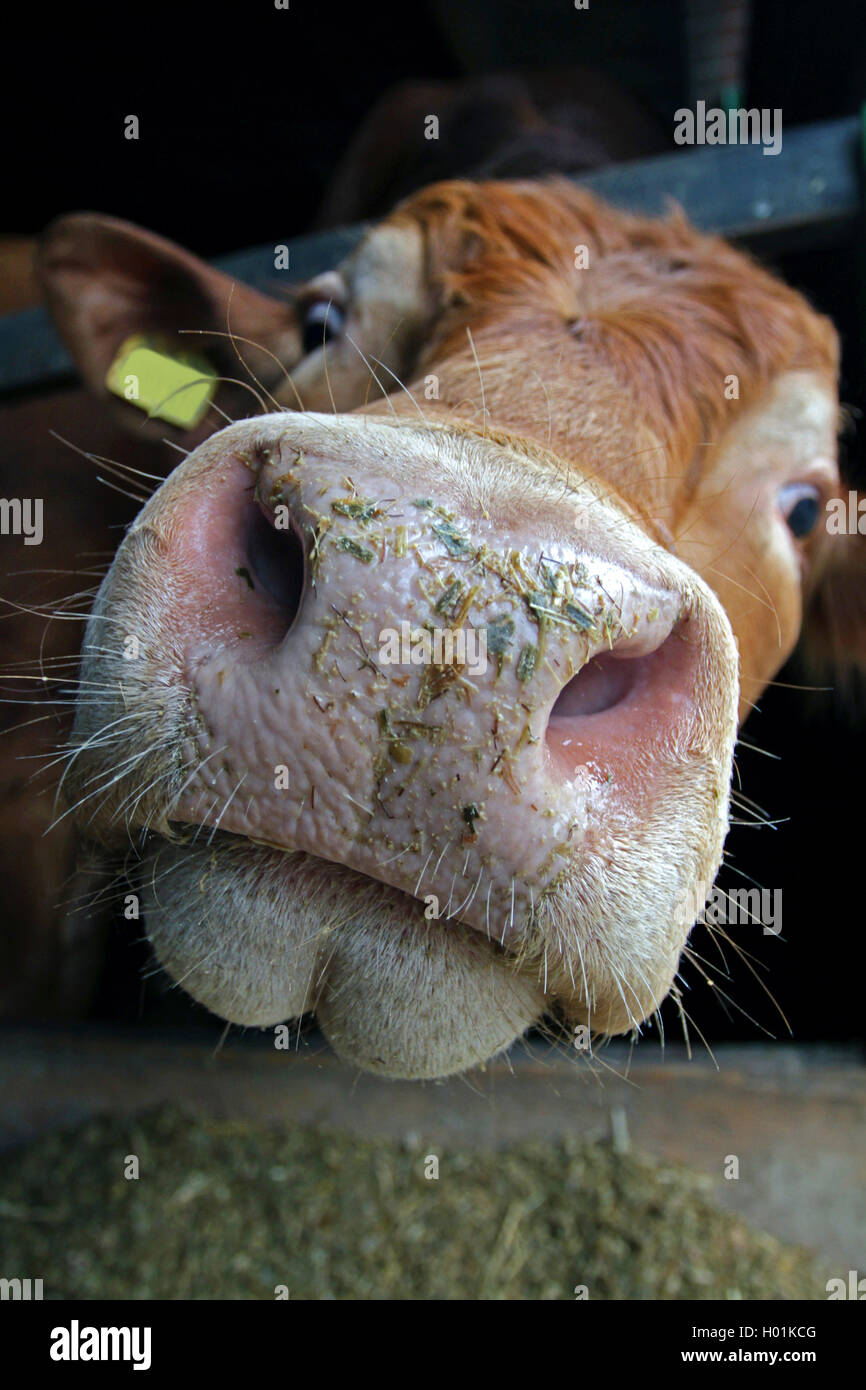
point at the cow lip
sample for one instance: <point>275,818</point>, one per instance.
<point>414,905</point>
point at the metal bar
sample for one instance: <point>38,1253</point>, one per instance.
<point>308,256</point>
<point>810,190</point>
<point>743,194</point>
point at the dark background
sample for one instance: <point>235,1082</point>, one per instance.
<point>244,111</point>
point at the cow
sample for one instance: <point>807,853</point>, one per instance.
<point>602,443</point>
<point>501,125</point>
<point>571,119</point>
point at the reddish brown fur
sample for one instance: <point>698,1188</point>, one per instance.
<point>668,338</point>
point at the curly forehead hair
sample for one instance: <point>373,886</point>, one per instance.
<point>672,312</point>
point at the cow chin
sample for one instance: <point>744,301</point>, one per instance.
<point>261,936</point>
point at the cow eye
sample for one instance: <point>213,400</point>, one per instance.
<point>323,320</point>
<point>801,507</point>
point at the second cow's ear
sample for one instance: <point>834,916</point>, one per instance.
<point>109,284</point>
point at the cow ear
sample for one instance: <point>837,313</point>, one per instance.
<point>833,642</point>
<point>110,285</point>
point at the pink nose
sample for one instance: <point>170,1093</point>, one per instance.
<point>387,677</point>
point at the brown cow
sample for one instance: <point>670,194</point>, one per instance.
<point>611,457</point>
<point>519,124</point>
<point>567,119</point>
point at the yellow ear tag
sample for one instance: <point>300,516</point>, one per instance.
<point>175,387</point>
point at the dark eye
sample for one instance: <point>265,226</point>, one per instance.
<point>323,320</point>
<point>801,507</point>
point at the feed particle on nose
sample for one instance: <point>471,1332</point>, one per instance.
<point>359,551</point>
<point>526,663</point>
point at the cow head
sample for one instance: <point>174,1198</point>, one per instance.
<point>603,444</point>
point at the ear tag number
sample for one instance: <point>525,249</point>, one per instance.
<point>177,387</point>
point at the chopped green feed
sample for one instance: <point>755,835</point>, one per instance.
<point>235,1208</point>
<point>550,578</point>
<point>448,598</point>
<point>355,508</point>
<point>453,542</point>
<point>526,663</point>
<point>434,682</point>
<point>413,728</point>
<point>398,751</point>
<point>499,635</point>
<point>578,616</point>
<point>351,547</point>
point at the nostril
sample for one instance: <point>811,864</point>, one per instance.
<point>599,685</point>
<point>276,559</point>
<point>625,701</point>
<point>642,663</point>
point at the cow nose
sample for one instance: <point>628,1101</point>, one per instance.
<point>386,675</point>
<point>419,659</point>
